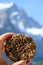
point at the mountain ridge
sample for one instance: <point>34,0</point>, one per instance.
<point>15,20</point>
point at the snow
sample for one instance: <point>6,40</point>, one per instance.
<point>6,5</point>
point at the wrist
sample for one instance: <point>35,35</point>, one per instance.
<point>2,61</point>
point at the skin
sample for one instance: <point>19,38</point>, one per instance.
<point>3,38</point>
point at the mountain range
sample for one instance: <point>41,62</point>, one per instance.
<point>16,20</point>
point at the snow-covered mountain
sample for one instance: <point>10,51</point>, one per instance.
<point>13,19</point>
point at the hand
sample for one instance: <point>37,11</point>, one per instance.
<point>3,40</point>
<point>2,44</point>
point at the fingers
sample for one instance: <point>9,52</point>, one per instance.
<point>3,40</point>
<point>23,62</point>
<point>3,47</point>
<point>28,62</point>
<point>6,35</point>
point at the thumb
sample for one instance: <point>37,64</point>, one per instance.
<point>6,35</point>
<point>23,62</point>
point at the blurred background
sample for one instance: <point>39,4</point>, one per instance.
<point>24,16</point>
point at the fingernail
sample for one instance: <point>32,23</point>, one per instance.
<point>27,61</point>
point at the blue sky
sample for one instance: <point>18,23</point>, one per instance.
<point>34,8</point>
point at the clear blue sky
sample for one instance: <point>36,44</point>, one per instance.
<point>34,8</point>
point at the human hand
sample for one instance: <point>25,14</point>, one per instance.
<point>2,44</point>
<point>22,62</point>
<point>3,41</point>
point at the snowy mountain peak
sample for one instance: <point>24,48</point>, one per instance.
<point>6,5</point>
